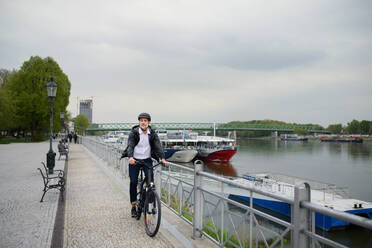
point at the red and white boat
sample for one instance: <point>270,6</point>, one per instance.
<point>213,148</point>
<point>183,146</point>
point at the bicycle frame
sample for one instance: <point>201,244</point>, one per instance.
<point>142,171</point>
<point>149,184</point>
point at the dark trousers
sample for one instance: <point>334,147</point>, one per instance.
<point>133,175</point>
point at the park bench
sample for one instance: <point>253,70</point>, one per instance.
<point>52,182</point>
<point>61,173</point>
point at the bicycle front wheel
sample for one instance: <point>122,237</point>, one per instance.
<point>152,213</point>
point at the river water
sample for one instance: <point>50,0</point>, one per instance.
<point>343,164</point>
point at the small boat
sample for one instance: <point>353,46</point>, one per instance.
<point>341,138</point>
<point>110,139</point>
<point>180,154</point>
<point>327,195</point>
<point>293,137</point>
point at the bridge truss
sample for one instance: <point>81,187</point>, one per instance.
<point>203,126</point>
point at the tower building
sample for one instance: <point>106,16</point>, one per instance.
<point>86,109</point>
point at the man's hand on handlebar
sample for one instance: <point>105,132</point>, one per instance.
<point>131,160</point>
<point>164,162</point>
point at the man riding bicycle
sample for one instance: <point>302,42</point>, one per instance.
<point>143,144</point>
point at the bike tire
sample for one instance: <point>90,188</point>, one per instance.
<point>152,213</point>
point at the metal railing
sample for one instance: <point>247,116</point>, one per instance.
<point>203,200</point>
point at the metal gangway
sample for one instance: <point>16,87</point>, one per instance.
<point>191,194</point>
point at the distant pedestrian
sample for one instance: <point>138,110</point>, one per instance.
<point>75,137</point>
<point>70,137</point>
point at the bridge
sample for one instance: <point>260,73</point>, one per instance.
<point>205,126</point>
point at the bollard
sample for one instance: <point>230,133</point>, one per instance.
<point>300,216</point>
<point>198,204</point>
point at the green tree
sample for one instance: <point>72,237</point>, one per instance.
<point>260,123</point>
<point>365,127</point>
<point>81,123</point>
<point>7,114</point>
<point>335,128</point>
<point>6,110</point>
<point>353,127</point>
<point>300,131</point>
<point>5,76</point>
<point>27,88</point>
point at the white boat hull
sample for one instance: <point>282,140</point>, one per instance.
<point>183,156</point>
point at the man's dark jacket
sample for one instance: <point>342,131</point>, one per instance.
<point>157,152</point>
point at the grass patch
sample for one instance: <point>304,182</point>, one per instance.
<point>9,140</point>
<point>230,240</point>
<point>185,212</point>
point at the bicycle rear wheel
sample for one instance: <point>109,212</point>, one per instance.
<point>152,213</point>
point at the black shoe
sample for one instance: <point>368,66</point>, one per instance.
<point>134,212</point>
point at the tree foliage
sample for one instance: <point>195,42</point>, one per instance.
<point>5,76</point>
<point>6,110</point>
<point>300,131</point>
<point>353,127</point>
<point>26,90</point>
<point>81,123</point>
<point>262,133</point>
<point>366,127</point>
<point>335,128</point>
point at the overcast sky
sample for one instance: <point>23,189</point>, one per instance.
<point>201,61</point>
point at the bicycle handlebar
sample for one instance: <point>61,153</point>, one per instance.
<point>141,163</point>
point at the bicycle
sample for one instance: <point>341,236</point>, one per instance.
<point>148,201</point>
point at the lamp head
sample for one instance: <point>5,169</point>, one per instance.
<point>52,88</point>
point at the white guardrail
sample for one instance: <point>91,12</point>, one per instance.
<point>201,199</point>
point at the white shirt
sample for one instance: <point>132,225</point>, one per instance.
<point>143,149</point>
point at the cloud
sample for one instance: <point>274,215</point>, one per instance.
<point>202,61</point>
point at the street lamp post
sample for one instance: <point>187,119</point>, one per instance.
<point>62,117</point>
<point>66,128</point>
<point>52,91</point>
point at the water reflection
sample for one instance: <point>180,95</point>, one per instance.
<point>222,168</point>
<point>276,147</point>
<point>360,151</point>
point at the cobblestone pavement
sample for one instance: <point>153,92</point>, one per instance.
<point>97,212</point>
<point>24,221</point>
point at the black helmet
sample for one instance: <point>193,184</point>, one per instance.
<point>144,115</point>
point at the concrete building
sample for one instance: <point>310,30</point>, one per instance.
<point>86,109</point>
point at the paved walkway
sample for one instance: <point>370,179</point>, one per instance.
<point>24,221</point>
<point>97,211</point>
